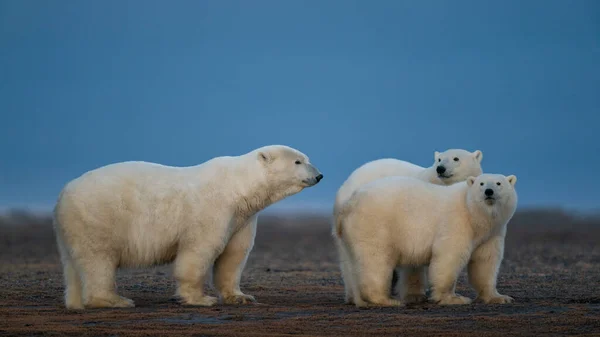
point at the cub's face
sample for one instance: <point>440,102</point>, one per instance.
<point>454,166</point>
<point>492,189</point>
<point>289,170</point>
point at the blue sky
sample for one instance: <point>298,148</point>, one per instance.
<point>88,83</point>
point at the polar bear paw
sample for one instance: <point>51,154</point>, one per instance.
<point>385,302</point>
<point>199,300</point>
<point>454,299</point>
<point>239,299</point>
<point>498,299</point>
<point>109,302</point>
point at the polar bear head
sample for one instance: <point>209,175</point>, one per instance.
<point>493,191</point>
<point>287,170</point>
<point>456,165</point>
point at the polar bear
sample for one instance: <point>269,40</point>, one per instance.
<point>449,167</point>
<point>405,221</point>
<point>137,214</point>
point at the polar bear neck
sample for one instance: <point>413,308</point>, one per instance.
<point>255,200</point>
<point>253,191</point>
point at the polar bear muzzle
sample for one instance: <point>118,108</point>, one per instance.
<point>490,199</point>
<point>443,172</point>
<point>316,176</point>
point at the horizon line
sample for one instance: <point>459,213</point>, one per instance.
<point>307,208</point>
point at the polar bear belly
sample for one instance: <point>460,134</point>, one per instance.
<point>413,246</point>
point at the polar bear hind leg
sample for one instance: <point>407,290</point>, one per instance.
<point>73,286</point>
<point>98,275</point>
<point>347,273</point>
<point>72,279</point>
<point>73,291</point>
<point>372,280</point>
<point>89,274</point>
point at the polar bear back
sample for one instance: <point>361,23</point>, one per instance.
<point>139,185</point>
<point>148,205</point>
<point>372,171</point>
<point>407,202</point>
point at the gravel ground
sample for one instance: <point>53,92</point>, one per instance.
<point>551,268</point>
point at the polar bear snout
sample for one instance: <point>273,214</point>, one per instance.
<point>314,180</point>
<point>314,175</point>
<point>489,192</point>
<point>443,172</point>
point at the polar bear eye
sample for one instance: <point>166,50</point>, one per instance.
<point>298,162</point>
<point>498,183</point>
<point>455,158</point>
<point>481,184</point>
<point>439,159</point>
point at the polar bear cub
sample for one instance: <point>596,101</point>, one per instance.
<point>404,221</point>
<point>449,167</point>
<point>203,217</point>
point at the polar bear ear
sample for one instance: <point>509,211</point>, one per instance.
<point>265,157</point>
<point>512,179</point>
<point>470,181</point>
<point>478,155</point>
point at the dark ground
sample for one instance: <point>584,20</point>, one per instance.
<point>551,268</point>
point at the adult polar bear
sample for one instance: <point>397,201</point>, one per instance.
<point>449,167</point>
<point>137,214</point>
<point>401,220</point>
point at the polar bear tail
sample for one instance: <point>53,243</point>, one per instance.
<point>336,220</point>
<point>340,214</point>
<point>338,217</point>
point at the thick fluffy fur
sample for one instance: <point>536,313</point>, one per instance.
<point>408,222</point>
<point>138,214</point>
<point>457,166</point>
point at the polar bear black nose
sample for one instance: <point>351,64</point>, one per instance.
<point>319,177</point>
<point>440,169</point>
<point>489,192</point>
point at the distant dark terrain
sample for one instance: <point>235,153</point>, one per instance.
<point>551,268</point>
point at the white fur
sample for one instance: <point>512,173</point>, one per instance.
<point>138,214</point>
<point>408,222</point>
<point>468,164</point>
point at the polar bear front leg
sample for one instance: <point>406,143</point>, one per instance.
<point>194,259</point>
<point>228,268</point>
<point>483,271</point>
<point>445,266</point>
